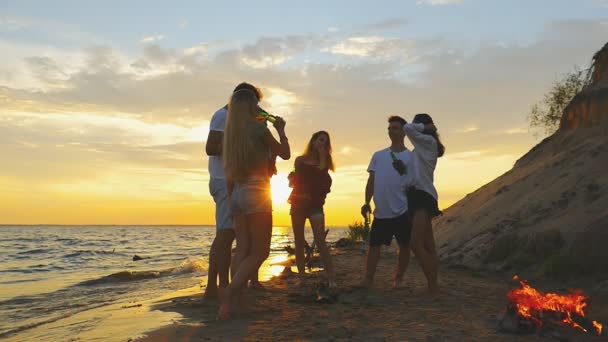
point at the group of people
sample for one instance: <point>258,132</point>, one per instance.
<point>242,153</point>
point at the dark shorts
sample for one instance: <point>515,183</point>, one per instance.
<point>383,230</point>
<point>418,199</point>
<point>307,212</point>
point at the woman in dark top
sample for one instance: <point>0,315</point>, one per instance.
<point>311,183</point>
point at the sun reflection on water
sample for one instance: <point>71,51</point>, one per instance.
<point>278,259</point>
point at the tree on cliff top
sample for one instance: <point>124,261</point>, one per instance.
<point>547,113</point>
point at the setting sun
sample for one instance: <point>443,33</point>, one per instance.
<point>280,189</point>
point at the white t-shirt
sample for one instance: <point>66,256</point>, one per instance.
<point>425,158</point>
<point>389,198</point>
<point>218,121</point>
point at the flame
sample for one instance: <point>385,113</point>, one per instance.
<point>529,301</point>
<point>598,327</point>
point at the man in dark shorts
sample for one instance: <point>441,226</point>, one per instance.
<point>388,175</point>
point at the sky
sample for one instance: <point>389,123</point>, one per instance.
<point>105,106</point>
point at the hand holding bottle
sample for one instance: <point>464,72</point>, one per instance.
<point>398,164</point>
<point>365,210</point>
<point>279,124</point>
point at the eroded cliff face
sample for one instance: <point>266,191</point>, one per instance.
<point>589,108</point>
<point>550,211</point>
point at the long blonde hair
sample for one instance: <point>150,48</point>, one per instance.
<point>238,148</point>
<point>311,152</point>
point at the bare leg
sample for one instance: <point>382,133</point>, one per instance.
<point>318,228</point>
<point>224,239</point>
<point>228,297</point>
<point>297,224</point>
<point>420,225</point>
<point>259,227</point>
<point>402,262</point>
<point>373,255</point>
<point>254,282</point>
<point>429,245</point>
<point>211,288</point>
<point>242,242</point>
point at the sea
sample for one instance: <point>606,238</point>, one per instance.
<point>73,283</point>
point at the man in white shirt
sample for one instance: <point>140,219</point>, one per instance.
<point>388,174</point>
<point>221,248</point>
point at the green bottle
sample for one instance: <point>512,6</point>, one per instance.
<point>269,117</point>
<point>398,164</point>
<point>394,157</point>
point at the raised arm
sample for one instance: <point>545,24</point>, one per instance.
<point>281,147</point>
<point>420,140</point>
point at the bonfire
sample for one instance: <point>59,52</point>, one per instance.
<point>538,308</point>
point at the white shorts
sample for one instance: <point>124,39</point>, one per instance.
<point>223,214</point>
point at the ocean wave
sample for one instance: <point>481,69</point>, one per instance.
<point>17,329</point>
<point>34,269</point>
<point>92,253</point>
<point>21,239</point>
<point>68,241</point>
<point>190,265</point>
<point>35,251</point>
<point>18,281</point>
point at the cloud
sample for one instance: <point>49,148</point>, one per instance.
<point>468,155</point>
<point>468,129</point>
<point>280,101</point>
<point>438,2</point>
<point>377,47</point>
<point>152,39</point>
<point>268,52</point>
<point>517,130</point>
<point>152,103</point>
<point>200,49</point>
<point>388,24</point>
<point>82,148</point>
<point>13,24</point>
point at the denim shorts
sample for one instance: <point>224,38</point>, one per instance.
<point>251,197</point>
<point>306,211</point>
<point>223,214</point>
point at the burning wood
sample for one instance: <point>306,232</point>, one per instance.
<point>530,305</point>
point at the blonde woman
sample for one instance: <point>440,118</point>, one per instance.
<point>311,183</point>
<point>247,144</point>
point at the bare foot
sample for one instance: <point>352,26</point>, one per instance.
<point>397,283</point>
<point>225,296</point>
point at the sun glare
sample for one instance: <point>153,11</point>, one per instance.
<point>280,189</point>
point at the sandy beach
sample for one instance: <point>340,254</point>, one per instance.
<point>466,310</point>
